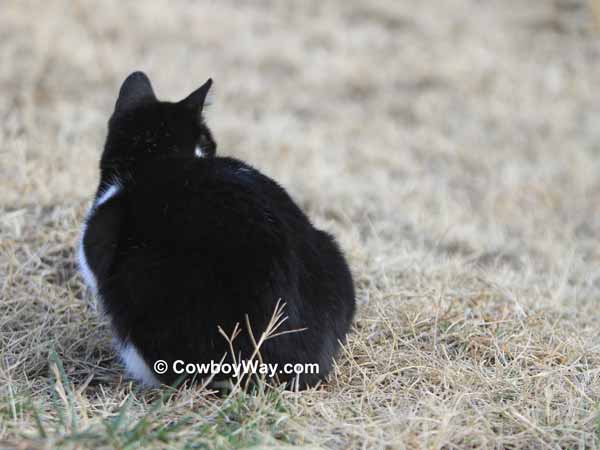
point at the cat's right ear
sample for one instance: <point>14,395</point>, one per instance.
<point>195,101</point>
<point>136,90</point>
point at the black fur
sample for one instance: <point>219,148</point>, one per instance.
<point>189,244</point>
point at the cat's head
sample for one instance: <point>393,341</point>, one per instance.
<point>142,127</point>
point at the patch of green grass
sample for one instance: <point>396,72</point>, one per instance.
<point>244,419</point>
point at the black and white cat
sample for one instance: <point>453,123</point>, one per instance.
<point>179,242</point>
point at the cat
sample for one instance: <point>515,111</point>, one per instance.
<point>179,242</point>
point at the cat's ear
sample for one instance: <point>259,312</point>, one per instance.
<point>136,90</point>
<point>196,100</point>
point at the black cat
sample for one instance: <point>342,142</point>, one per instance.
<point>179,242</point>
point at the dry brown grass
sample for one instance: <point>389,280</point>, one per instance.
<point>454,149</point>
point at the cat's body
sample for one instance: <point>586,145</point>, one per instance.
<point>180,242</point>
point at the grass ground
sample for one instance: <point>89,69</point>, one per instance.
<point>454,149</point>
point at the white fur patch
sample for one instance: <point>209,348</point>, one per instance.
<point>112,190</point>
<point>136,367</point>
<point>199,152</point>
<point>84,267</point>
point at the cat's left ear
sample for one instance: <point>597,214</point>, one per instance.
<point>135,90</point>
<point>196,100</point>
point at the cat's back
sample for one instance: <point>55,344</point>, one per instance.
<point>197,229</point>
<point>200,201</point>
<point>217,210</point>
